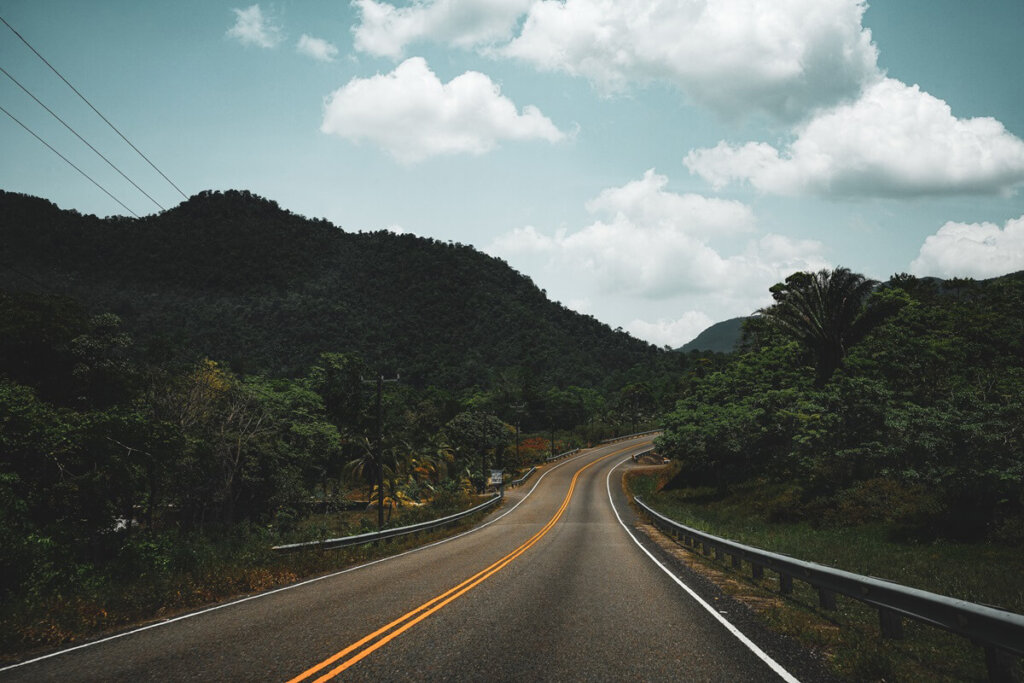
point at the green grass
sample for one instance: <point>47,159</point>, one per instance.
<point>160,576</point>
<point>985,573</point>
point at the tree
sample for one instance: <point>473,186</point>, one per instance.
<point>473,433</point>
<point>826,312</point>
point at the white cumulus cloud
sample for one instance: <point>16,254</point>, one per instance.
<point>317,48</point>
<point>412,115</point>
<point>784,57</point>
<point>386,30</point>
<point>653,243</point>
<point>645,202</point>
<point>979,250</point>
<point>649,252</point>
<point>253,28</point>
<point>894,141</point>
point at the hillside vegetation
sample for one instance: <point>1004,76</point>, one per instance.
<point>876,428</point>
<point>232,276</point>
<point>851,404</point>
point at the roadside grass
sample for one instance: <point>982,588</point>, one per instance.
<point>161,576</point>
<point>983,573</point>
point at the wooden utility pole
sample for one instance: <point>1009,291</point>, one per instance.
<point>379,448</point>
<point>519,416</point>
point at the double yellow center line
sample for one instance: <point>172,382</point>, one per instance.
<point>382,636</point>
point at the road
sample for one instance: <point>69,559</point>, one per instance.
<point>551,587</point>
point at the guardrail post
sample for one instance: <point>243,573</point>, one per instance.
<point>736,562</point>
<point>1001,666</point>
<point>890,624</point>
<point>1000,632</point>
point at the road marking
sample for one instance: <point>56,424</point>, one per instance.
<point>378,639</point>
<point>775,666</point>
<point>207,610</point>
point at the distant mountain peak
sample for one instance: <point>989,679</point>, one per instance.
<point>722,337</point>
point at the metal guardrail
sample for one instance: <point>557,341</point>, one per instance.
<point>574,451</point>
<point>632,436</point>
<point>552,458</point>
<point>1001,633</point>
<point>522,480</point>
<point>359,539</point>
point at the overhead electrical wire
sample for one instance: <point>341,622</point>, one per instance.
<point>84,99</point>
<point>13,118</point>
<point>98,153</point>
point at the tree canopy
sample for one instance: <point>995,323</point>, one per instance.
<point>908,407</point>
<point>826,312</point>
<point>232,276</point>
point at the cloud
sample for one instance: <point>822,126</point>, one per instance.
<point>385,30</point>
<point>645,202</point>
<point>412,115</point>
<point>649,252</point>
<point>317,48</point>
<point>252,28</point>
<point>673,333</point>
<point>894,141</point>
<point>652,243</point>
<point>784,57</point>
<point>980,250</point>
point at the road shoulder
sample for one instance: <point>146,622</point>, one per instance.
<point>735,600</point>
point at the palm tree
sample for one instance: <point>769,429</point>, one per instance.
<point>826,312</point>
<point>362,465</point>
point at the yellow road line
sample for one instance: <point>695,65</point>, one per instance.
<point>410,619</point>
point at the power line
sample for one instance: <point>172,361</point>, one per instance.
<point>54,70</point>
<point>68,162</point>
<point>98,153</point>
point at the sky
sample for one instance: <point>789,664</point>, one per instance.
<point>655,164</point>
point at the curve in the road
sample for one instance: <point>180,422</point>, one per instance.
<point>378,639</point>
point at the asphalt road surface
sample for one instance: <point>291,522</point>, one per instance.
<point>550,587</point>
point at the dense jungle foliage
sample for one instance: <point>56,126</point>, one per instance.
<point>172,383</point>
<point>900,403</point>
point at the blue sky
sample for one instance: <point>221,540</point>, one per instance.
<point>655,164</point>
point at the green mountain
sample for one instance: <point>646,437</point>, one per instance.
<point>234,277</point>
<point>722,337</point>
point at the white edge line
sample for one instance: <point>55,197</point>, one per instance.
<point>264,594</point>
<point>775,666</point>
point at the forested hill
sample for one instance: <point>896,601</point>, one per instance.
<point>722,337</point>
<point>234,277</point>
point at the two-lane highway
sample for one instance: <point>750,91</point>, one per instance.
<point>551,587</point>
